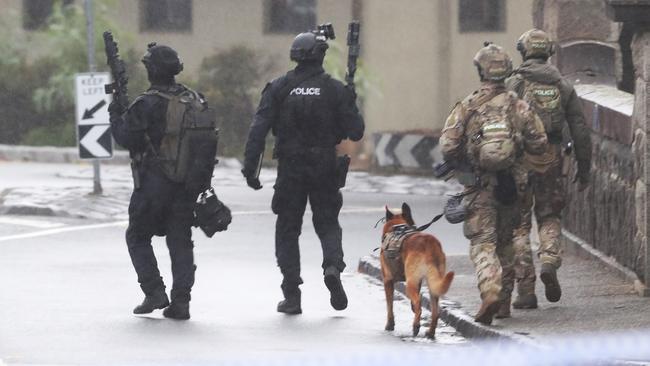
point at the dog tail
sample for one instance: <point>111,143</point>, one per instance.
<point>440,286</point>
<point>446,282</point>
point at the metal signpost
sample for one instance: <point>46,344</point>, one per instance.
<point>93,126</point>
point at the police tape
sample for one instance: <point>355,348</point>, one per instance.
<point>620,348</point>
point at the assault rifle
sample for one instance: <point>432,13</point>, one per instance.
<point>462,171</point>
<point>118,88</point>
<point>119,85</point>
<point>353,51</point>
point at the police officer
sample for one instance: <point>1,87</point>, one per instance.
<point>159,205</point>
<point>488,131</point>
<point>555,101</point>
<point>309,113</point>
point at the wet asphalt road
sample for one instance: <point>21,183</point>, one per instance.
<point>68,289</point>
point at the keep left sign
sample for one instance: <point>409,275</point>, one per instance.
<point>93,124</point>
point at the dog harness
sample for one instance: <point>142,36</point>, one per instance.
<point>391,246</point>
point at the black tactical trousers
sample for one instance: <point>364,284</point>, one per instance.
<point>161,207</point>
<point>301,180</point>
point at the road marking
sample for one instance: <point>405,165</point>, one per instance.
<point>124,223</point>
<point>32,223</point>
<point>343,211</point>
<point>62,230</point>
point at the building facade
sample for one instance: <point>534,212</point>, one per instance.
<point>419,52</point>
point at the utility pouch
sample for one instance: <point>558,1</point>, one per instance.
<point>342,166</point>
<point>210,214</point>
<point>505,191</point>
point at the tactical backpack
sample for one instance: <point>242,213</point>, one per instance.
<point>493,142</point>
<point>191,137</point>
<point>545,99</point>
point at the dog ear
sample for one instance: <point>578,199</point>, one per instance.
<point>406,214</point>
<point>389,215</point>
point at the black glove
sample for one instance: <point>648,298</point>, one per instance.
<point>252,181</point>
<point>115,108</point>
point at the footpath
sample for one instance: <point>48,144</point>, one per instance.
<point>63,189</point>
<point>595,299</point>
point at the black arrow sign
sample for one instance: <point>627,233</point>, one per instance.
<point>88,114</point>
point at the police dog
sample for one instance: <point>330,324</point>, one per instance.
<point>420,258</point>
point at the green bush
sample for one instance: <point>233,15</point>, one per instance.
<point>37,92</point>
<point>231,81</point>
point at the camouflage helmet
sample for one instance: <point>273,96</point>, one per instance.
<point>535,43</point>
<point>493,62</point>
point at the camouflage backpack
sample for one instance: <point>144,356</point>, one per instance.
<point>190,138</point>
<point>493,142</point>
<point>545,99</point>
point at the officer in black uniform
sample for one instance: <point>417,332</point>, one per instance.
<point>159,206</point>
<point>309,113</point>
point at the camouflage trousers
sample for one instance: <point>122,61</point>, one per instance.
<point>545,196</point>
<point>489,227</point>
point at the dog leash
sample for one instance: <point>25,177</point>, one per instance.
<point>426,226</point>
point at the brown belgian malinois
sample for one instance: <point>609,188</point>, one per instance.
<point>412,256</point>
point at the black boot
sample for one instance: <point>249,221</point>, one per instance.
<point>504,309</point>
<point>548,275</point>
<point>291,303</point>
<point>338,299</point>
<point>153,301</point>
<point>177,310</point>
<point>525,302</point>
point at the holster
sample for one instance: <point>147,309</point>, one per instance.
<point>342,167</point>
<point>135,172</point>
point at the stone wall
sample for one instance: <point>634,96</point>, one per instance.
<point>609,215</point>
<point>602,45</point>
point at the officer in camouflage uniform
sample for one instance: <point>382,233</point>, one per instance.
<point>487,123</point>
<point>309,113</point>
<point>540,84</point>
<point>159,205</point>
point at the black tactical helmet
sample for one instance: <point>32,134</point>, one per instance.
<point>308,47</point>
<point>161,59</point>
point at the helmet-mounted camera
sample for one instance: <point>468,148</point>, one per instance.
<point>324,31</point>
<point>311,46</point>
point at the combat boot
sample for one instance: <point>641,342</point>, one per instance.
<point>178,311</point>
<point>291,303</point>
<point>338,298</point>
<point>548,275</point>
<point>153,301</point>
<point>488,309</point>
<point>504,309</point>
<point>528,301</point>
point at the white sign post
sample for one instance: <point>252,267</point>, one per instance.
<point>93,125</point>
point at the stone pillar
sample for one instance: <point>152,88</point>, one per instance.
<point>641,119</point>
<point>581,27</point>
<point>635,15</point>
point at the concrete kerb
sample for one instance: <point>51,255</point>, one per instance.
<point>51,154</point>
<point>580,248</point>
<point>450,312</point>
